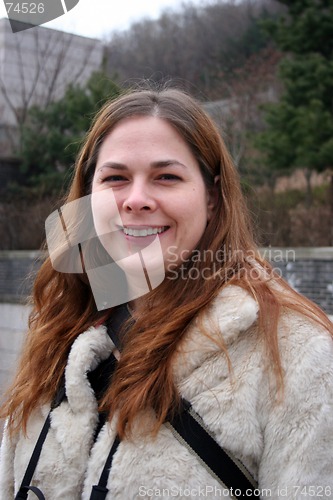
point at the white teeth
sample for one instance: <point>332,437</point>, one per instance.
<point>143,232</point>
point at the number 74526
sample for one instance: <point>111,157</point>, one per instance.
<point>25,8</point>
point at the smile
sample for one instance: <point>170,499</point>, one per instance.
<point>144,232</point>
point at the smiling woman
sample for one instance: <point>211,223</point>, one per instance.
<point>221,337</point>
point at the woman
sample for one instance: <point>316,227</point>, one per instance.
<point>222,331</point>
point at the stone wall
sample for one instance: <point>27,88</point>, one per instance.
<point>17,271</point>
<point>307,270</point>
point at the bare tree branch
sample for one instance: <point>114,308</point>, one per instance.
<point>37,66</point>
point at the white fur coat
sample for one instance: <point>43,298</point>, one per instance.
<point>288,445</point>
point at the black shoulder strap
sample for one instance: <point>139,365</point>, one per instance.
<point>189,429</point>
<point>100,490</point>
<point>22,493</point>
<point>102,372</point>
<point>229,471</point>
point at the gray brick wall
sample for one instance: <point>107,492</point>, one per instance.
<point>312,278</point>
<point>17,272</point>
<point>308,270</point>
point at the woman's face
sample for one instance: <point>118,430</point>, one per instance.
<point>147,184</point>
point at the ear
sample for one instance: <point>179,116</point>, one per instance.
<point>212,197</point>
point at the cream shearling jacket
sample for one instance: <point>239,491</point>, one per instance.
<point>287,445</point>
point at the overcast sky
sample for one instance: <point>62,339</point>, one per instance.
<point>98,18</point>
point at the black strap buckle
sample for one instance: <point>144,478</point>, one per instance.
<point>24,490</point>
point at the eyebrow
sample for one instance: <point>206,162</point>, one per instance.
<point>155,164</point>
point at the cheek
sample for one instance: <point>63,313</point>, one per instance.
<point>190,209</point>
<point>189,230</point>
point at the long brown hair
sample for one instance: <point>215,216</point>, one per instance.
<point>64,306</point>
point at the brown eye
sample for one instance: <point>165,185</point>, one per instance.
<point>169,177</point>
<point>114,178</point>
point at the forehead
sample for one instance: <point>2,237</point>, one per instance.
<point>144,135</point>
<point>139,126</point>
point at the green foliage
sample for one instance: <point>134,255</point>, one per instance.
<point>307,28</point>
<point>52,136</point>
<point>300,126</point>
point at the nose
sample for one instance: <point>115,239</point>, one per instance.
<point>139,198</point>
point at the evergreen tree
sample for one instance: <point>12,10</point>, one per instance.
<point>300,125</point>
<point>52,136</point>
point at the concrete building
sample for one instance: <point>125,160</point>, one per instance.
<point>36,66</point>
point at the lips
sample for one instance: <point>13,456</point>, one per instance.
<point>140,232</point>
